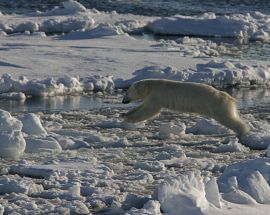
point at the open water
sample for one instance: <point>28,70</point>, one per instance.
<point>147,7</point>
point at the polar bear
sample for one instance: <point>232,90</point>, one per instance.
<point>158,94</point>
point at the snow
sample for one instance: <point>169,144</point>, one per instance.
<point>12,142</point>
<point>208,126</point>
<point>13,96</point>
<point>184,194</point>
<point>60,20</point>
<point>219,73</point>
<point>154,166</point>
<point>91,161</point>
<point>233,145</point>
<point>250,26</point>
<point>15,184</point>
<point>42,144</point>
<point>258,137</point>
<point>170,130</point>
<point>250,177</point>
<point>32,124</point>
<point>17,88</point>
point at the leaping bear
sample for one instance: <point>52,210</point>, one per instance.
<point>158,94</point>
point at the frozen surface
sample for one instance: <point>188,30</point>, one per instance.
<point>32,125</point>
<point>184,194</point>
<point>247,179</point>
<point>251,26</point>
<point>219,73</point>
<point>93,162</point>
<point>11,138</point>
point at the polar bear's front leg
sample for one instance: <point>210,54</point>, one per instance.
<point>141,113</point>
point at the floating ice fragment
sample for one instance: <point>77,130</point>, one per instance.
<point>208,127</point>
<point>32,124</point>
<point>170,130</point>
<point>42,144</point>
<point>12,143</point>
<point>239,197</point>
<point>184,194</point>
<point>232,146</point>
<point>16,184</point>
<point>250,177</point>
<point>134,200</point>
<point>258,137</point>
<point>13,96</point>
<point>212,192</point>
<point>152,166</point>
<point>73,6</point>
<point>210,25</point>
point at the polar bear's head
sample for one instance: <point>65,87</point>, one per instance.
<point>137,91</point>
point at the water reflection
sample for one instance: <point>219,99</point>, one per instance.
<point>53,104</point>
<point>246,98</point>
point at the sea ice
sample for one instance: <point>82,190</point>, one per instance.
<point>258,137</point>
<point>13,96</point>
<point>12,142</point>
<point>73,16</point>
<point>184,194</point>
<point>101,30</point>
<point>152,166</point>
<point>32,124</point>
<point>16,184</point>
<point>16,88</point>
<point>250,177</point>
<point>211,25</point>
<point>170,130</point>
<point>42,144</point>
<point>151,207</point>
<point>231,146</point>
<point>208,127</point>
<point>117,123</point>
<point>217,72</point>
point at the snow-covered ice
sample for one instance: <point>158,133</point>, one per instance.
<point>12,141</point>
<point>251,26</point>
<point>184,194</point>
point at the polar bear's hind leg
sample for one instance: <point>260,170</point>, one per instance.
<point>230,118</point>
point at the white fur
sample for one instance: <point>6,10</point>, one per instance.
<point>184,97</point>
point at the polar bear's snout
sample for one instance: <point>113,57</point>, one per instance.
<point>126,99</point>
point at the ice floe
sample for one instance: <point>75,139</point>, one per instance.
<point>12,88</point>
<point>252,26</point>
<point>208,127</point>
<point>219,73</point>
<point>32,124</point>
<point>12,141</point>
<point>101,30</point>
<point>258,137</point>
<point>170,130</point>
<point>73,16</point>
<point>16,184</point>
<point>42,144</point>
<point>185,194</point>
<point>246,181</point>
<point>232,145</point>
